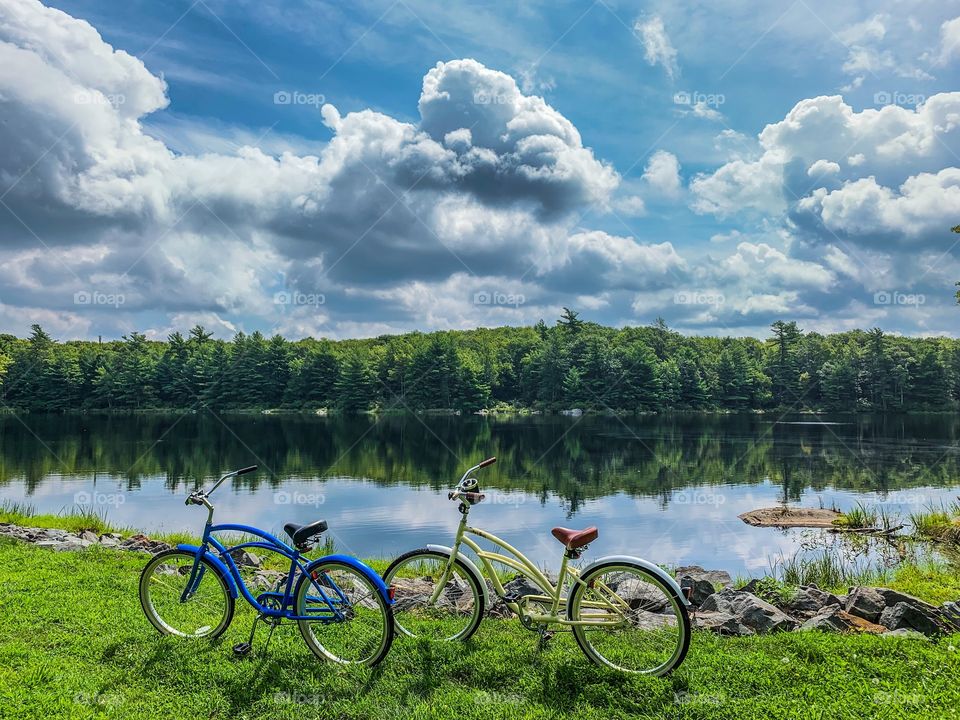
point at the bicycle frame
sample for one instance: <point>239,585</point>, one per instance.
<point>270,543</point>
<point>552,594</point>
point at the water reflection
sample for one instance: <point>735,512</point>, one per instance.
<point>668,488</point>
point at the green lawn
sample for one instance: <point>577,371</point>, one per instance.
<point>74,644</point>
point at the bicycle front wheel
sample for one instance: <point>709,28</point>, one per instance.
<point>179,600</point>
<point>458,609</point>
<point>345,619</point>
<point>628,619</point>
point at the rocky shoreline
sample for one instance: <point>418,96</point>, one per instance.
<point>747,610</point>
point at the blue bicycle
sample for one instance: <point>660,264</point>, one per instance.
<point>342,607</point>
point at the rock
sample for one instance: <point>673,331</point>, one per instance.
<point>640,595</point>
<point>722,623</point>
<point>865,602</point>
<point>141,543</point>
<point>905,615</point>
<point>266,579</point>
<point>809,601</point>
<point>892,597</point>
<point>520,586</point>
<point>749,610</point>
<point>831,619</point>
<point>109,541</point>
<point>245,559</point>
<point>89,536</point>
<point>714,577</point>
<point>696,590</point>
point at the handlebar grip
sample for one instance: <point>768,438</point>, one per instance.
<point>473,497</point>
<point>488,461</point>
<point>246,470</point>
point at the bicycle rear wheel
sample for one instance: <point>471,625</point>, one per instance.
<point>179,601</point>
<point>349,622</point>
<point>458,610</point>
<point>629,619</point>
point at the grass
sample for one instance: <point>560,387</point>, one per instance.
<point>940,524</point>
<point>828,571</point>
<point>79,647</point>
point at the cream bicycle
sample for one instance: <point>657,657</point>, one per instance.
<point>625,613</point>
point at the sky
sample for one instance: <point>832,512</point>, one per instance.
<point>341,170</point>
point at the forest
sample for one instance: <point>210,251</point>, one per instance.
<point>571,364</point>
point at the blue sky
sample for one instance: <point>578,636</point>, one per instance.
<point>309,168</point>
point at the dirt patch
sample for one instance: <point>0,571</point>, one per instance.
<point>791,517</point>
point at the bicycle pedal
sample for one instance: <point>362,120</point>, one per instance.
<point>513,598</point>
<point>242,649</point>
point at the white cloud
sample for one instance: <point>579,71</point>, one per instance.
<point>949,47</point>
<point>657,48</point>
<point>662,173</point>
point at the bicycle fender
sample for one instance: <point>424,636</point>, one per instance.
<point>646,565</point>
<point>365,569</point>
<point>470,565</point>
<point>217,563</point>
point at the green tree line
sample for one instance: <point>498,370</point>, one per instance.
<point>572,364</point>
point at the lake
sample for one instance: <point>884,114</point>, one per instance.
<point>667,488</point>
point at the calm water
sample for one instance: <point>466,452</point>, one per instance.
<point>665,488</point>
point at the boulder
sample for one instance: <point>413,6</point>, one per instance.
<point>521,585</point>
<point>246,559</point>
<point>905,615</point>
<point>749,610</point>
<point>722,623</point>
<point>696,590</point>
<point>809,601</point>
<point>640,595</point>
<point>865,602</point>
<point>89,536</point>
<point>714,577</point>
<point>831,619</point>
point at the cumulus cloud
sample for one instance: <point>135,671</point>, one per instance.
<point>662,173</point>
<point>885,169</point>
<point>468,214</point>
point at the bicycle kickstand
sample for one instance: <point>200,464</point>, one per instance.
<point>243,649</point>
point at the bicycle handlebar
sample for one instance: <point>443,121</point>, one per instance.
<point>488,461</point>
<point>199,497</point>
